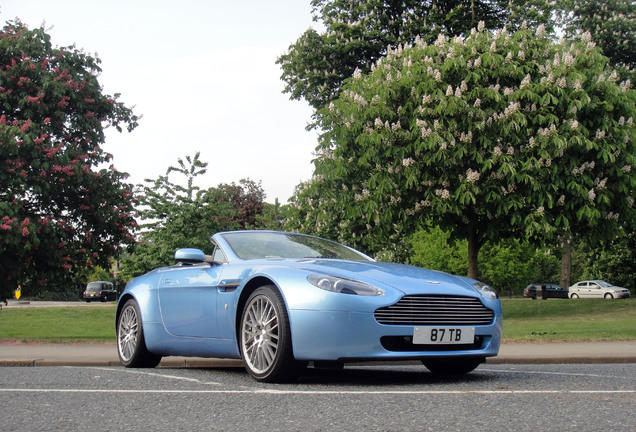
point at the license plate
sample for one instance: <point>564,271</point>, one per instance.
<point>443,335</point>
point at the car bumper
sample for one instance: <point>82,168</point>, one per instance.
<point>354,336</point>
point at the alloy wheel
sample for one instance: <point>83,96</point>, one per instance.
<point>128,333</point>
<point>260,334</point>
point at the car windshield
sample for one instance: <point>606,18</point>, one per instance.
<point>259,245</point>
<point>604,284</point>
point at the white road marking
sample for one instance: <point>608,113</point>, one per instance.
<point>544,373</point>
<point>325,392</point>
<point>179,378</point>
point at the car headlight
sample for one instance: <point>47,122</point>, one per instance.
<point>343,285</point>
<point>485,290</point>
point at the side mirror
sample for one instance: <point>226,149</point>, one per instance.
<point>189,256</point>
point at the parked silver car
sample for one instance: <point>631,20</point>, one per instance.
<point>597,289</point>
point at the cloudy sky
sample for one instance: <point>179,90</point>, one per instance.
<point>203,75</point>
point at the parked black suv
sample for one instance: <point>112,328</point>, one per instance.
<point>100,290</point>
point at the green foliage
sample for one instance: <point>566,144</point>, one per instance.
<point>491,136</point>
<point>176,216</point>
<point>273,216</point>
<point>60,210</point>
<point>612,24</point>
<point>508,265</point>
<point>357,34</point>
<point>613,261</point>
<point>99,274</point>
<point>433,248</point>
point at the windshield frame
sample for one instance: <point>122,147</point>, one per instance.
<point>251,245</point>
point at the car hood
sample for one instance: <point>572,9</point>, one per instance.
<point>408,279</point>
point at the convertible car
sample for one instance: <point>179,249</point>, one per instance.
<point>280,301</point>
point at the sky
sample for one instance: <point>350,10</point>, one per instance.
<point>203,75</point>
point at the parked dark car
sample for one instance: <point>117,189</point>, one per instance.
<point>536,290</point>
<point>100,290</point>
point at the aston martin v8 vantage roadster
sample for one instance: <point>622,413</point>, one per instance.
<point>281,301</point>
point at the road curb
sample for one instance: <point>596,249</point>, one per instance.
<point>569,360</point>
<point>200,363</point>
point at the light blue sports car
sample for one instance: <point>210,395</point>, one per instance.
<point>281,300</point>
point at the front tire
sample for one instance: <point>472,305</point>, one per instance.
<point>265,337</point>
<point>453,366</point>
<point>131,345</point>
<point>608,296</point>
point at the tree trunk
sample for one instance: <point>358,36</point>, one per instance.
<point>473,255</point>
<point>566,263</point>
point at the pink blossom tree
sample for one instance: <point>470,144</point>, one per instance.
<point>60,208</point>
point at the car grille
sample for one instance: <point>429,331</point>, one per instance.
<point>435,310</point>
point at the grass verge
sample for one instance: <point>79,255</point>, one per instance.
<point>555,320</point>
<point>525,320</point>
<point>58,324</point>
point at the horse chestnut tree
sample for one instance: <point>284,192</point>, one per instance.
<point>61,208</point>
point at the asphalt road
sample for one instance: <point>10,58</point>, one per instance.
<point>378,398</point>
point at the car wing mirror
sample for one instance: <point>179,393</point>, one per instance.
<point>189,256</point>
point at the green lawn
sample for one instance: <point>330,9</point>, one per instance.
<point>569,320</point>
<point>58,324</point>
<point>524,320</point>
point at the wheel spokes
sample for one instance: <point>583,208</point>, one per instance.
<point>128,333</point>
<point>260,334</point>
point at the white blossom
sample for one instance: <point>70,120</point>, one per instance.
<point>408,162</point>
<point>526,81</point>
<point>472,176</point>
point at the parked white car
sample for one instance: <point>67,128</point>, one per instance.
<point>597,289</point>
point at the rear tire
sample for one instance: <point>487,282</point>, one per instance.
<point>574,296</point>
<point>265,337</point>
<point>131,344</point>
<point>453,366</point>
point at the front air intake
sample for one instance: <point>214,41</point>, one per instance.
<point>435,310</point>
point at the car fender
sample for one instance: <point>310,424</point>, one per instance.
<point>143,290</point>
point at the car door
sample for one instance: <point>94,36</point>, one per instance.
<point>594,290</point>
<point>581,289</point>
<point>188,299</point>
